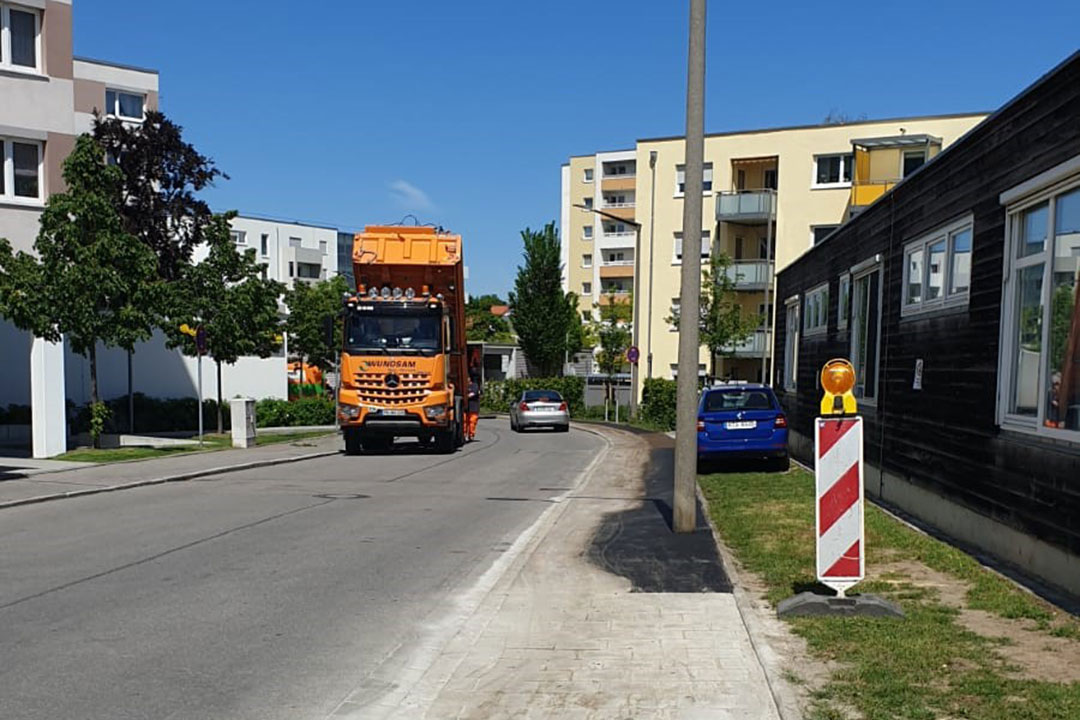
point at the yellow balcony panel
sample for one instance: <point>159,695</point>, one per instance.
<point>621,298</point>
<point>618,269</point>
<point>865,194</point>
<point>622,182</point>
<point>623,212</point>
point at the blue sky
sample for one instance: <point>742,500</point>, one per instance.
<point>356,112</point>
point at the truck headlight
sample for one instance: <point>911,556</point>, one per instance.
<point>435,412</point>
<point>349,411</point>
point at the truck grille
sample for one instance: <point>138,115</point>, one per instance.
<point>412,388</point>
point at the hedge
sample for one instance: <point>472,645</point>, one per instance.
<point>304,411</point>
<point>658,403</point>
<point>498,394</point>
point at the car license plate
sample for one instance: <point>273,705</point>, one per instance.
<point>741,425</point>
<point>389,411</point>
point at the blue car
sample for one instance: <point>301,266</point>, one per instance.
<point>741,421</point>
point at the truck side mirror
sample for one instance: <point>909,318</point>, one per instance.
<point>328,330</point>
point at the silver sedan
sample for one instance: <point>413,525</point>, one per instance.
<point>540,408</point>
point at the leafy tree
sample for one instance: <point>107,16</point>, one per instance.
<point>482,325</point>
<point>91,281</point>
<point>309,306</point>
<point>613,335</point>
<point>721,323</point>
<point>227,295</point>
<point>544,315</point>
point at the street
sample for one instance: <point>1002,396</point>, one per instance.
<point>269,593</point>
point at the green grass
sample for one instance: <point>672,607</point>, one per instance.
<point>210,443</point>
<point>925,666</point>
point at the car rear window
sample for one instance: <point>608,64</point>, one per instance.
<point>720,400</point>
<point>542,396</point>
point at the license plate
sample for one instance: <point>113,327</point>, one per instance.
<point>741,425</point>
<point>393,412</point>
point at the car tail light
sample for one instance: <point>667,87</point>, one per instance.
<point>781,422</point>
<point>524,407</point>
<point>700,425</point>
<point>562,406</point>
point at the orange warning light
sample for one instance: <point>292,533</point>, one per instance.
<point>838,378</point>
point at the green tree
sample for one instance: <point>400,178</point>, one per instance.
<point>482,325</point>
<point>721,323</point>
<point>309,306</point>
<point>227,295</point>
<point>90,281</point>
<point>544,315</point>
<point>613,335</point>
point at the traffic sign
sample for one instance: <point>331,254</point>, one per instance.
<point>200,340</point>
<point>633,354</point>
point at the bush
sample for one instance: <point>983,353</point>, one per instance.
<point>303,390</point>
<point>658,403</point>
<point>498,394</point>
<point>284,413</point>
<point>152,415</point>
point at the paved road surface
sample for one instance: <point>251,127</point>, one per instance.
<point>265,594</point>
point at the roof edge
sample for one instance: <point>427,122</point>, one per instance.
<point>108,63</point>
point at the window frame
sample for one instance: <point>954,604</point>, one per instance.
<point>7,169</point>
<point>833,227</point>
<point>676,246</point>
<point>587,175</point>
<point>587,232</point>
<point>792,340</point>
<point>586,263</point>
<point>706,177</point>
<point>6,64</point>
<point>1011,267</point>
<point>948,300</point>
<point>264,244</point>
<point>904,156</point>
<point>586,287</point>
<point>843,302</point>
<point>115,111</point>
<point>842,183</point>
<point>858,272</point>
<point>816,308</point>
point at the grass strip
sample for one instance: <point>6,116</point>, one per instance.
<point>211,443</point>
<point>925,666</point>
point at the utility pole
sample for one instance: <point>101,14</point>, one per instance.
<point>652,227</point>
<point>685,496</point>
<point>768,286</point>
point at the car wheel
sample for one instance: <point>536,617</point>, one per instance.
<point>563,428</point>
<point>782,464</point>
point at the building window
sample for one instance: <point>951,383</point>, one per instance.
<point>310,271</point>
<point>676,305</point>
<point>586,288</point>
<point>816,311</point>
<point>586,316</point>
<point>791,344</point>
<point>768,181</point>
<point>706,247</point>
<point>295,242</point>
<point>586,232</point>
<point>913,160</point>
<point>865,331</point>
<point>239,237</point>
<point>124,105</point>
<point>843,304</point>
<point>21,170</point>
<point>680,179</point>
<point>264,244</point>
<point>588,175</point>
<point>322,246</point>
<point>833,170</point>
<point>586,260</point>
<point>1041,316</point>
<point>937,269</point>
<point>20,38</point>
<point>820,232</point>
<point>587,202</point>
<point>291,273</point>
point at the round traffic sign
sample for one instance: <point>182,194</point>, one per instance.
<point>632,354</point>
<point>200,340</point>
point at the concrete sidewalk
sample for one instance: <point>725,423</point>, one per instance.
<point>606,614</point>
<point>91,478</point>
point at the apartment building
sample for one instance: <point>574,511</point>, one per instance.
<point>291,251</point>
<point>770,195</point>
<point>47,98</point>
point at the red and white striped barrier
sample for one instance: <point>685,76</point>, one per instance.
<point>838,443</point>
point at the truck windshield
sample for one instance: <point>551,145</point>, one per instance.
<point>393,331</point>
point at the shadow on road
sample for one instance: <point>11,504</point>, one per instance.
<point>639,544</point>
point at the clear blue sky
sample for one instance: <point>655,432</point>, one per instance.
<point>356,112</point>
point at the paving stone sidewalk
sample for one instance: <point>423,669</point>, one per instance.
<point>609,615</point>
<point>96,476</point>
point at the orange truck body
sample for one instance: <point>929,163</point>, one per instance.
<point>409,281</point>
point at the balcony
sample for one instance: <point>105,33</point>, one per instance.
<point>750,274</point>
<point>617,269</point>
<point>865,193</point>
<point>747,207</point>
<point>625,211</point>
<point>754,346</point>
<point>617,182</point>
<point>616,241</point>
<point>620,296</point>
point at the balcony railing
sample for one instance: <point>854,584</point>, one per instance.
<point>865,193</point>
<point>746,205</point>
<point>750,274</point>
<point>616,263</point>
<point>753,346</point>
<point>614,235</point>
<point>618,205</point>
<point>616,176</point>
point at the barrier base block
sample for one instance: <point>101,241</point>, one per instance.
<point>812,604</point>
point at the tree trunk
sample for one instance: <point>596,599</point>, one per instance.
<point>93,392</point>
<point>220,423</point>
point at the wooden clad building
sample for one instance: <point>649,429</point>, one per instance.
<point>957,297</point>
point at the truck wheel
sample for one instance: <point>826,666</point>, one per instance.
<point>353,446</point>
<point>445,442</point>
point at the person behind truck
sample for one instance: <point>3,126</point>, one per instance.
<point>472,413</point>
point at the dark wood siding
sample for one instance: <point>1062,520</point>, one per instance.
<point>945,437</point>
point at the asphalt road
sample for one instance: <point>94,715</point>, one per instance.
<point>266,594</point>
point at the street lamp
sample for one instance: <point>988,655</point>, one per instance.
<point>637,300</point>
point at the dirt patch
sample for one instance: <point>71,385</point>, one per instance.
<point>1031,653</point>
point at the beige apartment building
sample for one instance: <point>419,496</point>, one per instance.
<point>791,185</point>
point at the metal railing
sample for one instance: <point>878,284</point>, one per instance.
<point>753,346</point>
<point>616,263</point>
<point>619,205</point>
<point>745,274</point>
<point>745,204</point>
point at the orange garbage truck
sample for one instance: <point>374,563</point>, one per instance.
<point>403,356</point>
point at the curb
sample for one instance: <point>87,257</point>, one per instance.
<point>181,477</point>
